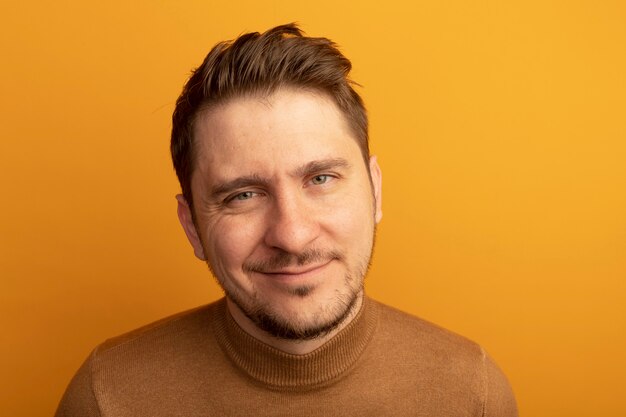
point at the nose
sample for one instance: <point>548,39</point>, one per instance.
<point>291,224</point>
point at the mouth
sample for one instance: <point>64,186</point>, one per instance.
<point>300,272</point>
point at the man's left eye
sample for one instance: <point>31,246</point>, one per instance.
<point>319,179</point>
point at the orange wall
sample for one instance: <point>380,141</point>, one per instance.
<point>500,128</point>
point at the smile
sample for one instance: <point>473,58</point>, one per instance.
<point>299,272</point>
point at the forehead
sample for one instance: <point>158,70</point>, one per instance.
<point>282,130</point>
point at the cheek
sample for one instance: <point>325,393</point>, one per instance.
<point>232,241</point>
<point>350,218</point>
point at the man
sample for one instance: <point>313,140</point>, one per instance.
<point>281,197</point>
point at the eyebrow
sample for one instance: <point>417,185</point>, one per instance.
<point>237,183</point>
<point>320,166</point>
<point>255,180</point>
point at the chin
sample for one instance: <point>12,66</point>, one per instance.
<point>306,317</point>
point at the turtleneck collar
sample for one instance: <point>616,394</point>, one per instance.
<point>283,370</point>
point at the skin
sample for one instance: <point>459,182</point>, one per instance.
<point>286,210</point>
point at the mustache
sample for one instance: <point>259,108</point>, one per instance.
<point>283,259</point>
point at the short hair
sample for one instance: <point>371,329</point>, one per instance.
<point>260,64</point>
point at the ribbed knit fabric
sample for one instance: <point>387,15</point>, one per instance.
<point>201,363</point>
<point>282,370</point>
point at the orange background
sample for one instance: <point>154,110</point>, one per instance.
<point>500,128</point>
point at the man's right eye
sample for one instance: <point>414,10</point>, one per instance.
<point>239,197</point>
<point>244,196</point>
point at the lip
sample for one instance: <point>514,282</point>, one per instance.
<point>291,273</point>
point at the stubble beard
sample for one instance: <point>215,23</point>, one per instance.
<point>335,312</point>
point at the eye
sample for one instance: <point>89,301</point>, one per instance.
<point>240,197</point>
<point>246,195</point>
<point>320,179</point>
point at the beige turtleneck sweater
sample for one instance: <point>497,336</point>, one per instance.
<point>201,363</point>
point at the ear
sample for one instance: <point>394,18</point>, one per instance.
<point>186,220</point>
<point>377,185</point>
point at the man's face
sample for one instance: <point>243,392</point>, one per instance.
<point>285,210</point>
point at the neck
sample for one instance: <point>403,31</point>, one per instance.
<point>295,347</point>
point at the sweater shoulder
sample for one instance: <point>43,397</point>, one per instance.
<point>416,336</point>
<point>453,371</point>
<point>178,331</point>
<point>135,370</point>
